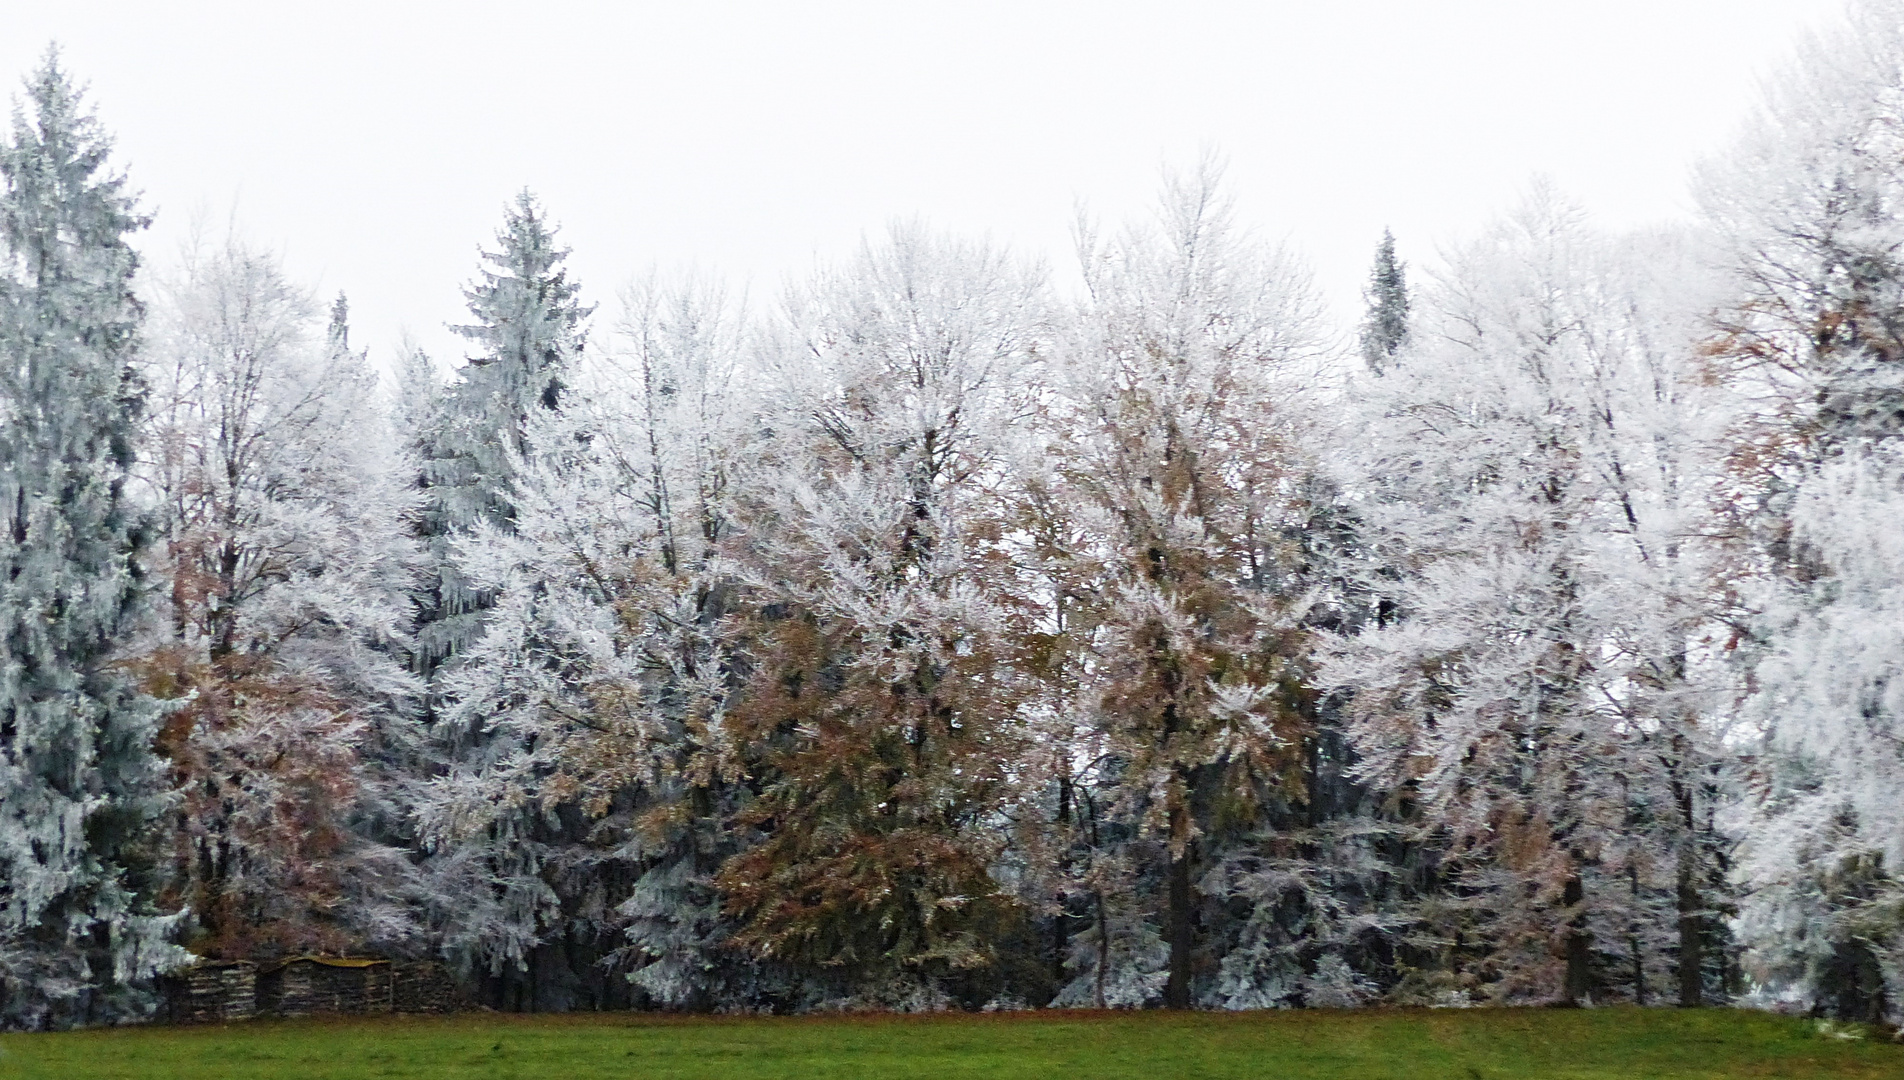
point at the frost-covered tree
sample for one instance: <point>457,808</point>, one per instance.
<point>283,567</point>
<point>681,442</point>
<point>1385,323</point>
<point>1177,452</point>
<point>419,392</point>
<point>1529,477</point>
<point>878,720</point>
<point>528,330</point>
<point>79,783</point>
<point>607,667</point>
<point>1810,209</point>
<point>497,902</point>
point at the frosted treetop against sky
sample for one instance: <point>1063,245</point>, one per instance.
<point>375,144</point>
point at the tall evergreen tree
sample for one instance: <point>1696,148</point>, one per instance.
<point>501,883</point>
<point>1385,326</point>
<point>527,329</point>
<point>78,780</point>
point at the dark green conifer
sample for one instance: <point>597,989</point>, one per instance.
<point>1385,326</point>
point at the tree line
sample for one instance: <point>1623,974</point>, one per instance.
<point>940,634</point>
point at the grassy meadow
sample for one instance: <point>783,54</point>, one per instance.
<point>1506,1044</point>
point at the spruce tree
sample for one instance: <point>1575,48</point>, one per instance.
<point>501,884</point>
<point>527,328</point>
<point>1385,327</point>
<point>78,779</point>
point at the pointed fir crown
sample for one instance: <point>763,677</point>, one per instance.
<point>69,397</point>
<point>337,335</point>
<point>1385,326</point>
<point>528,330</point>
<point>80,781</point>
<point>65,259</point>
<point>528,324</point>
<point>57,204</point>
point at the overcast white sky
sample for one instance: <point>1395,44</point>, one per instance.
<point>374,144</point>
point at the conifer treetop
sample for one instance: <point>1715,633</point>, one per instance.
<point>1385,327</point>
<point>528,321</point>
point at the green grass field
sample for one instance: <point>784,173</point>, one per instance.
<point>1416,1045</point>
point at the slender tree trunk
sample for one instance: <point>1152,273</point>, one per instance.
<point>1061,930</point>
<point>1103,950</point>
<point>1692,959</point>
<point>1178,919</point>
<point>1060,943</point>
<point>1574,895</point>
<point>1313,762</point>
<point>1103,917</point>
<point>1633,937</point>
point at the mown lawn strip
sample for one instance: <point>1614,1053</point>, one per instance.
<point>1591,1044</point>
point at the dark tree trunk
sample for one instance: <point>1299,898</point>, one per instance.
<point>1103,951</point>
<point>1692,958</point>
<point>1061,926</point>
<point>1178,919</point>
<point>1633,938</point>
<point>1574,895</point>
<point>1851,986</point>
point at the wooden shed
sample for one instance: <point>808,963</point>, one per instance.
<point>212,991</point>
<point>304,985</point>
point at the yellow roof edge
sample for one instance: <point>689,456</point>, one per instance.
<point>333,961</point>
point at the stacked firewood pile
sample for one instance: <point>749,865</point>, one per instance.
<point>424,986</point>
<point>213,991</point>
<point>304,985</point>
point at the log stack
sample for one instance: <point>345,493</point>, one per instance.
<point>212,992</point>
<point>424,986</point>
<point>304,985</point>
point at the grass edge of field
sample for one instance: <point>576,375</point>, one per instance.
<point>1445,1040</point>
